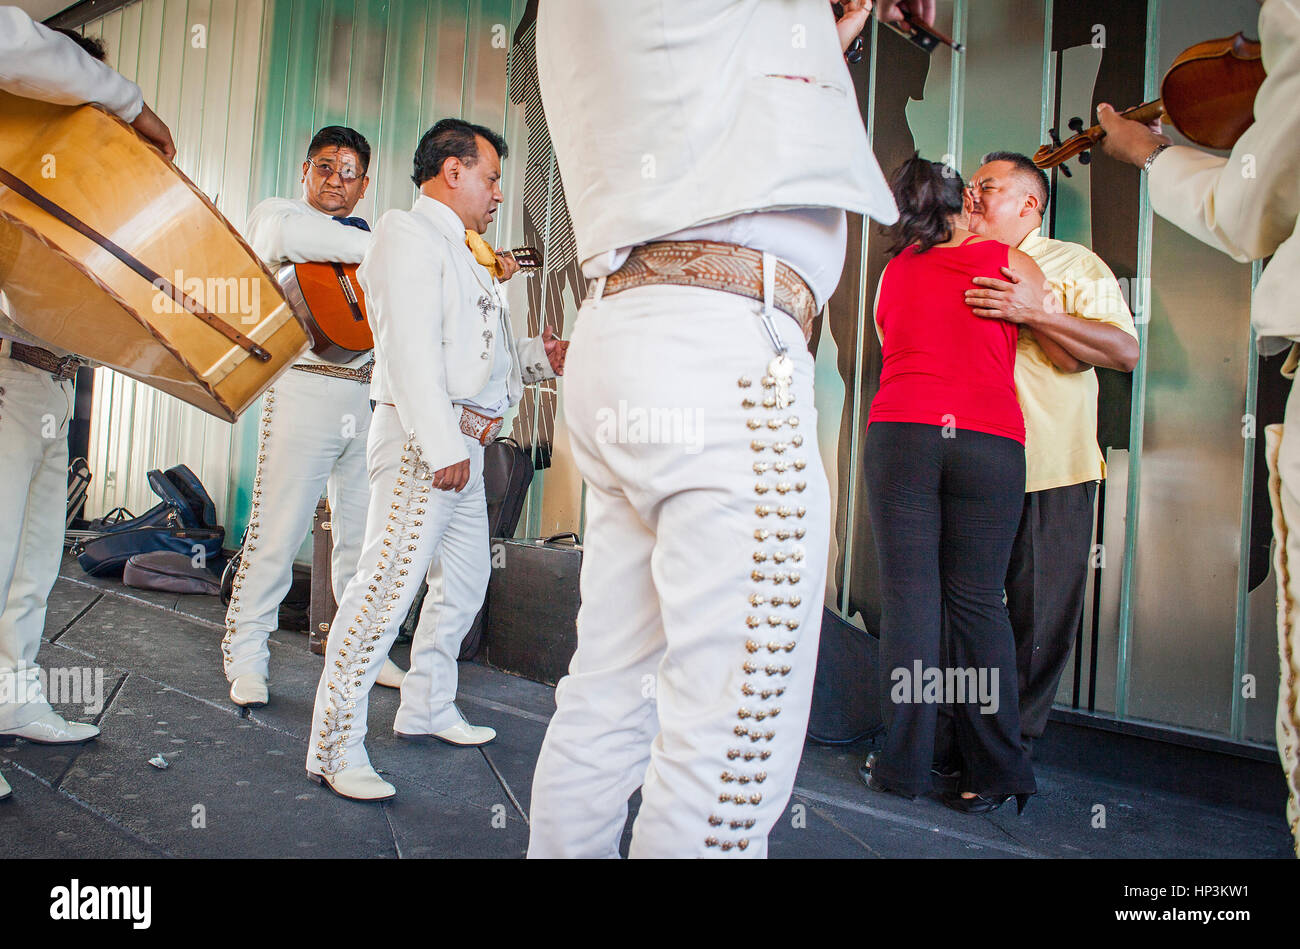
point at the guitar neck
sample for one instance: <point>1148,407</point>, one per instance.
<point>528,258</point>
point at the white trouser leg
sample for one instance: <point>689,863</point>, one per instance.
<point>665,404</point>
<point>1283,454</point>
<point>313,433</point>
<point>598,744</point>
<point>458,580</point>
<point>34,413</point>
<point>404,526</point>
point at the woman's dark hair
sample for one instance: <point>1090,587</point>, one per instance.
<point>928,194</point>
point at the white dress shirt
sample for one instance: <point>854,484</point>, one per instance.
<point>740,106</point>
<point>289,230</point>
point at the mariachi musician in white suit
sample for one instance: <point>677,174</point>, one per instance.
<point>35,385</point>
<point>1248,206</point>
<point>314,421</point>
<point>447,367</point>
<point>709,149</point>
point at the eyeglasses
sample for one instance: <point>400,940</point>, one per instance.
<point>327,171</point>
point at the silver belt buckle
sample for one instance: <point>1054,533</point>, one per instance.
<point>68,367</point>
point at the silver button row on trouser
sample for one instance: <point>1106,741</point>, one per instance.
<point>346,665</point>
<point>772,598</point>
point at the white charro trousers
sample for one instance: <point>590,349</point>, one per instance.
<point>312,440</point>
<point>704,561</point>
<point>35,410</point>
<point>413,531</point>
<point>1282,452</point>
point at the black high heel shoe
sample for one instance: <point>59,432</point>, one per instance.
<point>979,804</point>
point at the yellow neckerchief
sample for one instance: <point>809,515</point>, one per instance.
<point>483,252</point>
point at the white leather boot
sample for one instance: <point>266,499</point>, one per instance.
<point>52,729</point>
<point>357,784</point>
<point>249,690</point>
<point>391,675</point>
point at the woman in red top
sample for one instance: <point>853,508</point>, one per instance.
<point>945,466</point>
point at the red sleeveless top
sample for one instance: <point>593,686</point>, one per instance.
<point>943,365</point>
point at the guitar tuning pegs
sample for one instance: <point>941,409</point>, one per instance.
<point>1076,124</point>
<point>1056,139</point>
<point>1065,169</point>
<point>1085,158</point>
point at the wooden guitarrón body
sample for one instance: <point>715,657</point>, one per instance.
<point>332,306</point>
<point>66,289</point>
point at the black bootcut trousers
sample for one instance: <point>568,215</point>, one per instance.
<point>945,505</point>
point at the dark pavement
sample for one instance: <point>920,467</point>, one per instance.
<point>235,784</point>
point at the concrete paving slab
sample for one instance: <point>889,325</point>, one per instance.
<point>67,600</point>
<point>492,685</point>
<point>40,820</point>
<point>245,771</point>
<point>51,763</point>
<point>513,754</point>
<point>426,823</point>
<point>231,788</point>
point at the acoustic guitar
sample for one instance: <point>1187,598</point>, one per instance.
<point>109,251</point>
<point>332,306</point>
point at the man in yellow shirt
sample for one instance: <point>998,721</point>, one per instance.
<point>1083,311</point>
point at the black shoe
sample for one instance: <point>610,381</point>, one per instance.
<point>945,781</point>
<point>876,784</point>
<point>979,804</point>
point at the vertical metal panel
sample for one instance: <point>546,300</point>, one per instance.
<point>1003,79</point>
<point>1187,549</point>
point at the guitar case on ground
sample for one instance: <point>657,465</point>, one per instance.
<point>507,475</point>
<point>183,523</point>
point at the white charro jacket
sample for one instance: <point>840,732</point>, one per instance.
<point>736,105</point>
<point>38,63</point>
<point>1247,204</point>
<point>435,312</point>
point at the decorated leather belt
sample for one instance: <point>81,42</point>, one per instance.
<point>482,427</point>
<point>360,374</point>
<point>62,368</point>
<point>714,265</point>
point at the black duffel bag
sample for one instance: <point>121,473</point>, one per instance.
<point>170,572</point>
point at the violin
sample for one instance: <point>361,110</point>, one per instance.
<point>1208,95</point>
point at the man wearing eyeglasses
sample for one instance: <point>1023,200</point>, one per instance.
<point>314,419</point>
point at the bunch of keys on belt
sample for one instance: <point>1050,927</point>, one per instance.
<point>781,368</point>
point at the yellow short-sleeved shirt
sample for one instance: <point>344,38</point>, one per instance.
<point>1061,407</point>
